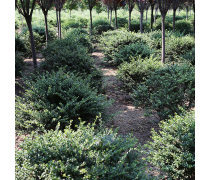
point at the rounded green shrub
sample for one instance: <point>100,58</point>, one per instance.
<point>137,71</point>
<point>184,26</point>
<point>101,25</point>
<point>132,50</point>
<point>80,36</point>
<point>166,89</point>
<point>112,41</point>
<point>19,64</point>
<point>81,154</point>
<point>20,45</point>
<point>158,24</point>
<point>57,97</point>
<point>172,149</point>
<point>190,56</point>
<point>178,46</point>
<point>73,56</point>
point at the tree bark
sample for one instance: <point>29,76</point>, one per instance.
<point>46,28</point>
<point>163,39</point>
<point>111,18</point>
<point>116,26</point>
<point>91,21</point>
<point>59,15</point>
<point>152,16</point>
<point>187,9</point>
<point>174,19</point>
<point>129,20</point>
<point>146,15</point>
<point>58,25</point>
<point>28,21</point>
<point>108,12</point>
<point>141,21</point>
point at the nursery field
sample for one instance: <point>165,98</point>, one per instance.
<point>107,98</point>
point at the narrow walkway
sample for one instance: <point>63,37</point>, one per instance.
<point>126,117</point>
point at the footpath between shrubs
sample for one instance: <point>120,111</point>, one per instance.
<point>126,117</point>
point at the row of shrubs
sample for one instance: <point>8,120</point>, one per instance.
<point>119,46</point>
<point>100,153</point>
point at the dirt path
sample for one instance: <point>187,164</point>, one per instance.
<point>127,118</point>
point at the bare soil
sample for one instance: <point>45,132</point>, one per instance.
<point>127,118</point>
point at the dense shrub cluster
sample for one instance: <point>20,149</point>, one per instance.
<point>72,55</point>
<point>166,89</point>
<point>75,23</point>
<point>172,149</point>
<point>125,53</point>
<point>20,45</point>
<point>112,41</point>
<point>57,97</point>
<point>190,56</point>
<point>137,71</point>
<point>100,26</point>
<point>184,26</point>
<point>81,154</point>
<point>178,46</point>
<point>19,64</point>
<point>80,36</point>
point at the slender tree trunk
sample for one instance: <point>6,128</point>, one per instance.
<point>46,28</point>
<point>59,15</point>
<point>194,15</point>
<point>32,43</point>
<point>129,20</point>
<point>163,39</point>
<point>58,25</point>
<point>115,11</point>
<point>141,21</point>
<point>187,9</point>
<point>155,15</point>
<point>152,16</point>
<point>108,12</point>
<point>91,21</point>
<point>146,14</point>
<point>174,19</point>
<point>111,18</point>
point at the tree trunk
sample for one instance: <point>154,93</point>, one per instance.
<point>174,19</point>
<point>91,21</point>
<point>194,15</point>
<point>28,21</point>
<point>155,15</point>
<point>46,28</point>
<point>152,16</point>
<point>58,25</point>
<point>187,9</point>
<point>59,15</point>
<point>146,14</point>
<point>108,12</point>
<point>141,21</point>
<point>111,18</point>
<point>129,20</point>
<point>163,39</point>
<point>116,26</point>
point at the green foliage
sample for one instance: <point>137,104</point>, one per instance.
<point>100,26</point>
<point>112,41</point>
<point>81,154</point>
<point>57,97</point>
<point>132,50</point>
<point>173,147</point>
<point>158,24</point>
<point>39,38</point>
<point>184,26</point>
<point>75,23</point>
<point>178,46</point>
<point>137,71</point>
<point>20,45</point>
<point>69,53</point>
<point>122,22</point>
<point>80,36</point>
<point>19,64</point>
<point>166,89</point>
<point>190,56</point>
